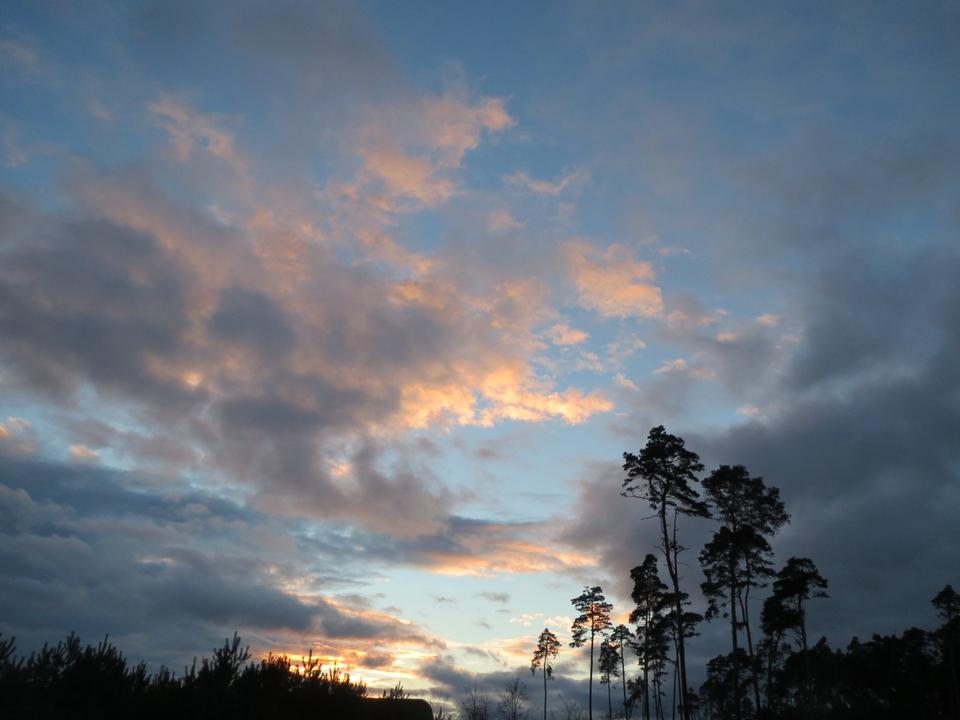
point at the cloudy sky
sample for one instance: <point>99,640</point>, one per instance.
<point>329,323</point>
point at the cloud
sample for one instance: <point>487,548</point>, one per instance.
<point>501,221</point>
<point>853,421</point>
<point>168,570</point>
<point>671,366</point>
<point>612,282</point>
<point>496,597</point>
<point>471,547</point>
<point>17,436</point>
<point>405,177</point>
<point>545,187</point>
<point>83,453</point>
<point>22,54</point>
<point>192,320</point>
<point>190,131</point>
<point>562,334</point>
<point>407,164</point>
<point>623,348</point>
<point>453,127</point>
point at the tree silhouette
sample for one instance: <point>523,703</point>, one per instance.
<point>594,618</point>
<point>776,621</point>
<point>739,557</point>
<point>797,582</point>
<point>662,474</point>
<point>651,599</point>
<point>721,690</point>
<point>547,647</point>
<point>475,706</point>
<point>94,681</point>
<point>608,664</point>
<point>947,603</point>
<point>513,701</point>
<point>620,637</point>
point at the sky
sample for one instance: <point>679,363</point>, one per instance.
<point>329,323</point>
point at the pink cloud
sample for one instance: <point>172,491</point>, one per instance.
<point>611,281</point>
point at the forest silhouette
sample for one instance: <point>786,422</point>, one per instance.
<point>778,675</point>
<point>772,669</point>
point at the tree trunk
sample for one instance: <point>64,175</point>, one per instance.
<point>646,673</point>
<point>590,690</point>
<point>658,691</point>
<point>731,567</point>
<point>803,643</point>
<point>609,700</point>
<point>673,707</point>
<point>623,682</point>
<point>678,605</point>
<point>745,614</point>
<point>545,689</point>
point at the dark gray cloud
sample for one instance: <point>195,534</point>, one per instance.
<point>452,684</point>
<point>166,570</point>
<point>252,320</point>
<point>86,300</point>
<point>89,300</point>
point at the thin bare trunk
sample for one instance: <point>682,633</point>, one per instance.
<point>646,674</point>
<point>590,691</point>
<point>623,681</point>
<point>745,614</point>
<point>673,571</point>
<point>545,688</point>
<point>676,670</point>
<point>731,568</point>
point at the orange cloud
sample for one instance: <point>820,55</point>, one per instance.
<point>488,556</point>
<point>562,334</point>
<point>612,282</point>
<point>453,127</point>
<point>407,177</point>
<point>82,453</point>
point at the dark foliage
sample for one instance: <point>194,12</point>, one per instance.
<point>664,473</point>
<point>782,676</point>
<point>70,680</point>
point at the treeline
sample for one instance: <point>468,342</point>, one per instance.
<point>72,680</point>
<point>771,670</point>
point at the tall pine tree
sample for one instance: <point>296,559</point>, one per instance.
<point>594,619</point>
<point>663,473</point>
